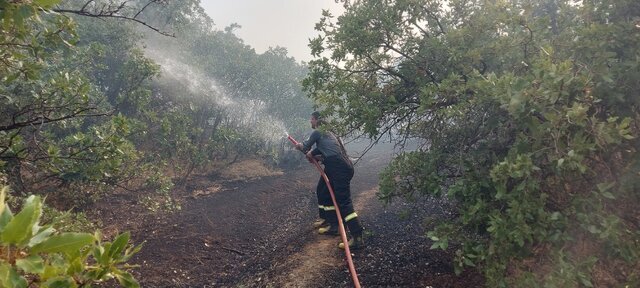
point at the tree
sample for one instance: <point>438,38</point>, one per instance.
<point>525,115</point>
<point>59,124</point>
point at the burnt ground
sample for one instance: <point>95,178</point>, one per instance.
<point>257,233</point>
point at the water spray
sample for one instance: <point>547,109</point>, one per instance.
<point>203,88</point>
<point>343,234</point>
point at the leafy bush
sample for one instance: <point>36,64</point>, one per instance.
<point>528,118</point>
<point>39,256</point>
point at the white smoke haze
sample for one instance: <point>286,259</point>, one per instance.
<point>202,88</point>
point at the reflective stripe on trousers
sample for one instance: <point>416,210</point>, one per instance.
<point>327,208</point>
<point>350,216</point>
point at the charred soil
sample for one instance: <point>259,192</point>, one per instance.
<point>258,233</point>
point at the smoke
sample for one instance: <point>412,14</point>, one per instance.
<point>201,88</point>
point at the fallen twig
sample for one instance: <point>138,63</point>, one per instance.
<point>232,250</point>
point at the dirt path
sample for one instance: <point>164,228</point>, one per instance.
<point>309,266</point>
<point>259,234</point>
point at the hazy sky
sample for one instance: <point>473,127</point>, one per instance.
<point>270,23</point>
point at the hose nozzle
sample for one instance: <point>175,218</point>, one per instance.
<point>295,143</point>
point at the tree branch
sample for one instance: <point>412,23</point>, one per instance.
<point>389,70</point>
<point>435,17</point>
<point>45,119</point>
<point>11,138</point>
<point>426,70</point>
<point>114,12</point>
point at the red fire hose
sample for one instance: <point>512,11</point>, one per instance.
<point>343,234</point>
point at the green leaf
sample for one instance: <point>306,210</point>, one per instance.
<point>586,282</point>
<point>468,262</point>
<point>603,187</point>
<point>20,228</point>
<point>61,282</point>
<point>104,259</point>
<point>65,243</point>
<point>130,252</point>
<point>76,266</point>
<point>3,194</point>
<point>52,271</point>
<point>32,264</point>
<point>5,218</point>
<point>5,212</point>
<point>38,238</point>
<point>12,77</point>
<point>98,251</point>
<point>46,3</point>
<point>25,11</point>
<point>10,278</point>
<point>607,78</point>
<point>608,194</point>
<point>119,244</point>
<point>126,279</point>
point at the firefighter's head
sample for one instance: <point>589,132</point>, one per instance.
<point>316,119</point>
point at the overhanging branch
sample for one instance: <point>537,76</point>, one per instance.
<point>113,11</point>
<point>45,119</point>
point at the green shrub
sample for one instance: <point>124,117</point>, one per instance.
<point>40,256</point>
<point>527,118</point>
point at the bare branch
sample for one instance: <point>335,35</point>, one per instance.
<point>11,139</point>
<point>145,7</point>
<point>424,32</point>
<point>389,70</point>
<point>86,4</point>
<point>108,11</point>
<point>45,119</point>
<point>435,17</point>
<point>426,70</point>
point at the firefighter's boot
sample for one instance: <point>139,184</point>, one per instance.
<point>320,223</point>
<point>331,230</point>
<point>356,230</point>
<point>355,243</point>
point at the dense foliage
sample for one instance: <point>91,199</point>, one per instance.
<point>89,105</point>
<point>528,117</point>
<point>96,97</point>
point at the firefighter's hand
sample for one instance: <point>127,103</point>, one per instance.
<point>299,146</point>
<point>309,157</point>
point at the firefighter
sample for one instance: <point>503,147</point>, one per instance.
<point>339,170</point>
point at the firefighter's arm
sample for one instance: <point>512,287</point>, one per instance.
<point>305,146</point>
<point>310,156</point>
